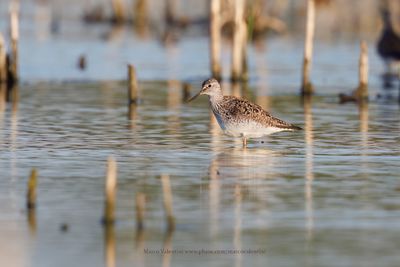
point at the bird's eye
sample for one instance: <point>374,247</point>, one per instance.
<point>209,86</point>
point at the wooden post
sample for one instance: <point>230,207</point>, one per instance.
<point>140,12</point>
<point>215,38</point>
<point>82,62</point>
<point>118,9</point>
<point>245,71</point>
<point>166,185</point>
<point>132,85</point>
<point>31,192</point>
<point>3,73</point>
<point>14,30</point>
<point>140,208</point>
<point>109,192</point>
<point>362,90</point>
<point>237,50</point>
<point>3,68</point>
<point>307,88</point>
<point>170,7</point>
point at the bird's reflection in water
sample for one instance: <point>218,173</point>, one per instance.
<point>248,168</point>
<point>239,175</point>
<point>250,163</point>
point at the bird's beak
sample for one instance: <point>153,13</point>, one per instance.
<point>194,97</point>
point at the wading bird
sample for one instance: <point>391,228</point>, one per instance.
<point>239,117</point>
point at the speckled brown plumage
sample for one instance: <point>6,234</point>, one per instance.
<point>232,108</point>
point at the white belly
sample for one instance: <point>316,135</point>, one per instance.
<point>249,129</point>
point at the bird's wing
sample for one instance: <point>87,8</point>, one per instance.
<point>242,109</point>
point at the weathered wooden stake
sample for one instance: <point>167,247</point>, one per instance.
<point>3,73</point>
<point>109,192</point>
<point>14,30</point>
<point>307,88</point>
<point>170,8</point>
<point>237,46</point>
<point>31,193</point>
<point>140,208</point>
<point>3,68</point>
<point>245,71</point>
<point>132,85</point>
<point>362,90</point>
<point>82,62</point>
<point>140,12</point>
<point>215,38</point>
<point>166,185</point>
<point>118,9</point>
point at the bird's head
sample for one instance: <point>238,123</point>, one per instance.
<point>210,87</point>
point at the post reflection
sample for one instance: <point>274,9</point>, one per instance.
<point>14,134</point>
<point>3,92</point>
<point>109,246</point>
<point>174,106</point>
<point>139,247</point>
<point>364,124</point>
<point>2,111</point>
<point>214,198</point>
<point>166,260</point>
<point>237,237</point>
<point>132,115</point>
<point>31,217</point>
<point>309,175</point>
<point>14,97</point>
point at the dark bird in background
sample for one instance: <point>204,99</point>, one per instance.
<point>388,47</point>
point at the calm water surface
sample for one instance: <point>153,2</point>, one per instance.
<point>326,196</point>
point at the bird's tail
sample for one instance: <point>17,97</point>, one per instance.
<point>293,127</point>
<point>285,126</point>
